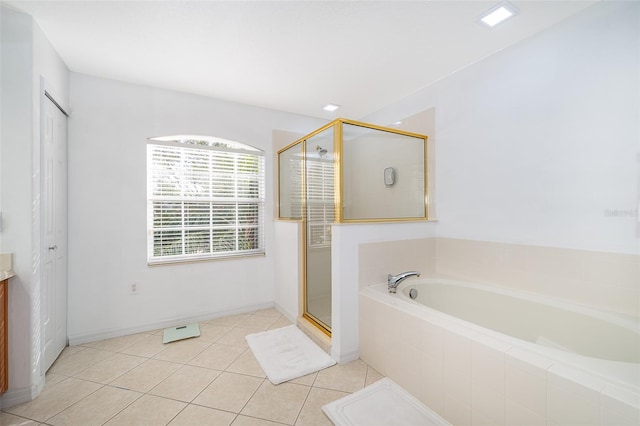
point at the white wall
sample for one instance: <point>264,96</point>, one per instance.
<point>50,73</point>
<point>28,60</point>
<point>108,129</point>
<point>537,143</point>
<point>288,241</point>
<point>288,268</point>
<point>17,134</point>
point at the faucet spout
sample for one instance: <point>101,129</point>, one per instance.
<point>394,280</point>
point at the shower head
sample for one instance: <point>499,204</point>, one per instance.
<point>321,151</point>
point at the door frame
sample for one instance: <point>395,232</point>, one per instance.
<point>47,93</point>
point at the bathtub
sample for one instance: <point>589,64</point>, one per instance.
<point>483,354</point>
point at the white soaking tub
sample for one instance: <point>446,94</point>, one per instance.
<point>550,361</point>
<point>535,319</point>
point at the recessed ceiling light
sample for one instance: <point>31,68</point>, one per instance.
<point>331,107</point>
<point>397,123</point>
<point>497,14</point>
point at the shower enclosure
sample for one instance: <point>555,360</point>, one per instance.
<point>347,172</point>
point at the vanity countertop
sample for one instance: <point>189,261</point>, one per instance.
<point>5,275</point>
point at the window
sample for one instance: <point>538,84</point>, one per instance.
<point>205,199</point>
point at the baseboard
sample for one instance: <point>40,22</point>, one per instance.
<point>284,312</point>
<point>18,396</point>
<point>346,358</point>
<point>79,339</point>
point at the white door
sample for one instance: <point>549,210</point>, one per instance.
<point>54,231</point>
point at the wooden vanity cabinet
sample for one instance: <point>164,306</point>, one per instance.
<point>4,350</point>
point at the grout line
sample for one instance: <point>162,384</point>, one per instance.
<point>252,395</point>
<point>314,379</point>
<point>178,413</point>
<point>366,376</point>
<point>205,388</point>
<point>20,416</point>
<point>303,404</point>
<point>126,406</point>
<point>211,408</point>
<point>235,418</point>
<point>264,420</point>
<point>77,402</point>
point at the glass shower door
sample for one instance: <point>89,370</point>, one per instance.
<point>320,207</point>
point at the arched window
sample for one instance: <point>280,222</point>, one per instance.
<point>205,198</point>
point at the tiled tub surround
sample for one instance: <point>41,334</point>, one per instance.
<point>471,375</point>
<point>603,280</point>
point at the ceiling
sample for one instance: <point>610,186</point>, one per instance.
<point>293,56</point>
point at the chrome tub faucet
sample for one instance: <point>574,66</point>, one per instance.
<point>394,280</point>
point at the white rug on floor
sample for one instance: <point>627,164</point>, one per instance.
<point>383,403</point>
<point>287,353</point>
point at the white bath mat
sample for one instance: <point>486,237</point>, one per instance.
<point>383,403</point>
<point>287,353</point>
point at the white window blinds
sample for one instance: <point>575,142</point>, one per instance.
<point>203,201</point>
<point>320,202</point>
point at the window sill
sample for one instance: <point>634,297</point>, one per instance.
<point>154,263</point>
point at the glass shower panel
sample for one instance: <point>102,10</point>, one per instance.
<point>290,182</point>
<point>320,208</point>
<point>383,174</point>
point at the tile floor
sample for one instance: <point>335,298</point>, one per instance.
<point>210,380</point>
